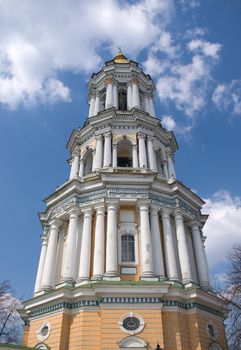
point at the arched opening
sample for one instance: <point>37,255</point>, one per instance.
<point>132,342</point>
<point>159,163</point>
<point>102,100</point>
<point>124,154</point>
<point>122,100</point>
<point>127,248</point>
<point>88,160</point>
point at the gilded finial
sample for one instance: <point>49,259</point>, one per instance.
<point>120,58</point>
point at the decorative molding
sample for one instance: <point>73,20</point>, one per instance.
<point>125,300</point>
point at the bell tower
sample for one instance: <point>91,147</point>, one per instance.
<point>123,262</point>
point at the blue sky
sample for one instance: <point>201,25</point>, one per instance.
<point>48,50</point>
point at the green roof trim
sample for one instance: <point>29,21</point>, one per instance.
<point>14,346</point>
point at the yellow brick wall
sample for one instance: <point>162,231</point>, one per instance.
<point>99,330</point>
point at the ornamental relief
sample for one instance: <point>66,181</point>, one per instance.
<point>95,197</point>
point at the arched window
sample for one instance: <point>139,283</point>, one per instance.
<point>88,160</point>
<point>102,100</point>
<point>127,248</point>
<point>122,100</point>
<point>124,154</point>
<point>159,163</point>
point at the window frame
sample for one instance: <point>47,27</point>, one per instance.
<point>129,229</point>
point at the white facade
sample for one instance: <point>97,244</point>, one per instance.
<point>122,213</point>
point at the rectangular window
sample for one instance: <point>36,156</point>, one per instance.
<point>127,248</point>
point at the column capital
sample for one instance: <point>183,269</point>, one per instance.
<point>114,146</point>
<point>170,154</point>
<point>55,223</point>
<point>109,80</point>
<point>112,203</point>
<point>98,137</point>
<point>87,212</point>
<point>150,138</point>
<point>141,135</point>
<point>134,147</point>
<point>134,80</point>
<point>76,151</point>
<point>155,209</point>
<point>178,214</point>
<point>100,209</point>
<point>107,134</point>
<point>166,212</point>
<point>143,206</point>
<point>195,224</point>
<point>74,212</point>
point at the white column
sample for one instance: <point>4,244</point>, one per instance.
<point>171,263</point>
<point>111,240</point>
<point>165,167</point>
<point>134,156</point>
<point>93,161</point>
<point>171,169</point>
<point>151,154</point>
<point>135,94</point>
<point>41,264</point>
<point>129,96</point>
<point>74,164</point>
<point>146,103</point>
<point>99,251</point>
<point>184,257</point>
<point>92,104</point>
<point>97,103</point>
<point>146,246</point>
<point>107,150</point>
<point>109,94</point>
<point>99,152</point>
<point>200,257</point>
<point>142,151</point>
<point>156,243</point>
<point>81,168</point>
<point>50,259</point>
<point>84,265</point>
<point>115,95</point>
<point>59,256</point>
<point>114,156</point>
<point>151,106</point>
<point>69,262</point>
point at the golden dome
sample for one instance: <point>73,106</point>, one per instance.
<point>120,58</point>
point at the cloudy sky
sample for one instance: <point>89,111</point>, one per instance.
<point>49,49</point>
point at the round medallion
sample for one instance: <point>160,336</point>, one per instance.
<point>43,331</point>
<point>212,330</point>
<point>131,323</point>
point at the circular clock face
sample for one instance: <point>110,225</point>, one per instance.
<point>131,323</point>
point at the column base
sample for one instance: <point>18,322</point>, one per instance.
<point>97,278</point>
<point>64,284</point>
<point>162,278</point>
<point>111,276</point>
<point>82,279</point>
<point>82,283</point>
<point>149,279</point>
<point>46,288</point>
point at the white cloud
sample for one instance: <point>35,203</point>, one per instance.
<point>165,44</point>
<point>227,97</point>
<point>223,227</point>
<point>168,122</point>
<point>39,39</point>
<point>205,47</point>
<point>185,4</point>
<point>185,86</point>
